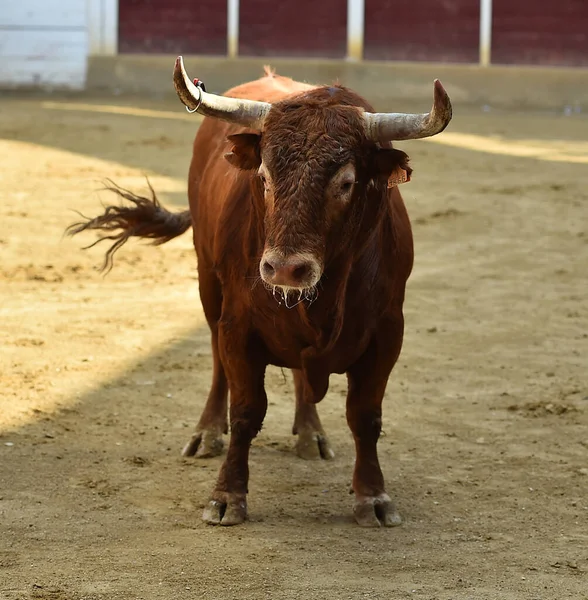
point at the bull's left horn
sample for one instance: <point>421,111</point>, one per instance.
<point>387,127</point>
<point>249,113</point>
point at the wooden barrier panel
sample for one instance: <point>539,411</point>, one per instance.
<point>305,28</point>
<point>540,32</point>
<point>173,26</point>
<point>422,30</point>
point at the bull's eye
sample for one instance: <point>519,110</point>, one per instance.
<point>263,180</point>
<point>341,186</point>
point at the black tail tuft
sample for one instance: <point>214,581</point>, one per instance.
<point>146,219</point>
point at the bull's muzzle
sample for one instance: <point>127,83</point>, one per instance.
<point>294,272</point>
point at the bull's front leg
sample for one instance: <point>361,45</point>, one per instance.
<point>245,369</point>
<point>367,384</point>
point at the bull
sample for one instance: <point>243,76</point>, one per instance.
<point>304,248</point>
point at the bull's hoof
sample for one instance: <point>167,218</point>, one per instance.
<point>204,444</point>
<point>228,509</point>
<point>375,511</point>
<point>312,446</point>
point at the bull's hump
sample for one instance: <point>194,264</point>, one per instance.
<point>270,88</point>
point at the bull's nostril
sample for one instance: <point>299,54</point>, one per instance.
<point>300,272</point>
<point>268,269</point>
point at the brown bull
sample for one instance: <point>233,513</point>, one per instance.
<point>304,248</point>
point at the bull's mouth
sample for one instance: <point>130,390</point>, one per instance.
<point>290,296</point>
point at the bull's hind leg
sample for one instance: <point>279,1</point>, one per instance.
<point>207,440</point>
<point>312,442</point>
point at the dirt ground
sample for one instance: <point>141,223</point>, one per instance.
<point>485,448</point>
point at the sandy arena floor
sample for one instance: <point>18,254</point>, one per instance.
<point>486,441</point>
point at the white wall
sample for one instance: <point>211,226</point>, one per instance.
<point>43,43</point>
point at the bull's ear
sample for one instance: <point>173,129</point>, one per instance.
<point>392,165</point>
<point>245,153</point>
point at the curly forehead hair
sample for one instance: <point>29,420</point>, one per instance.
<point>319,127</point>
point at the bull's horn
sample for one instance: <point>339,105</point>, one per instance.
<point>387,127</point>
<point>249,113</point>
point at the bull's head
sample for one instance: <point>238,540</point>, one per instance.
<point>323,165</point>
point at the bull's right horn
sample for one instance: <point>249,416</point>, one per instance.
<point>248,113</point>
<point>387,127</point>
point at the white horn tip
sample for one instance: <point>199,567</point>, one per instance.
<point>439,87</point>
<point>183,86</point>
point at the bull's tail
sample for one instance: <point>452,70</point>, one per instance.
<point>145,219</point>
